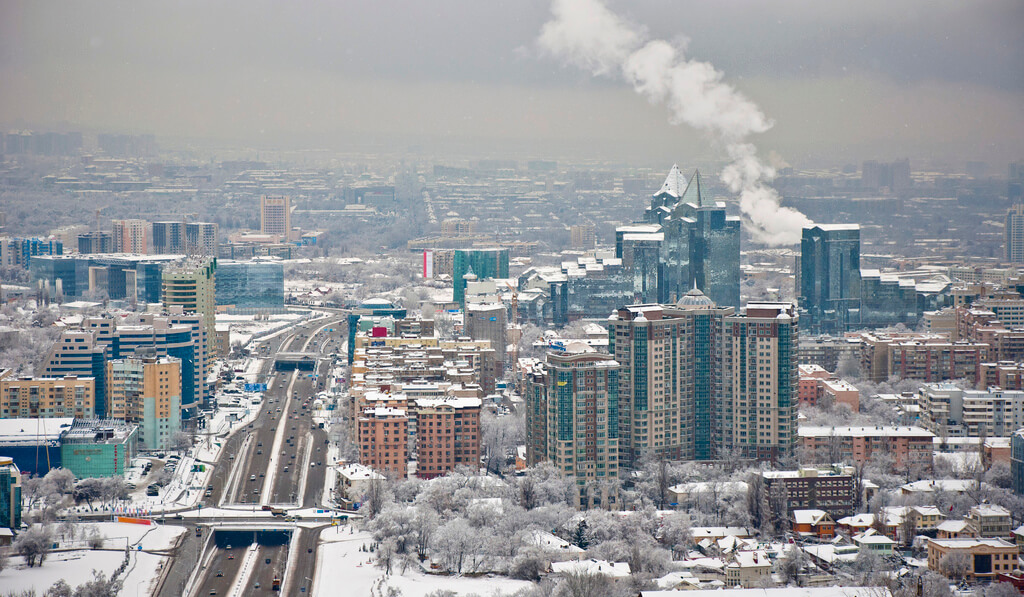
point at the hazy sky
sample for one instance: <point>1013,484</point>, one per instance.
<point>939,80</point>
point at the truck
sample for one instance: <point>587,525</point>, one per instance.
<point>277,511</point>
<point>276,583</point>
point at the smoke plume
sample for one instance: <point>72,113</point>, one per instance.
<point>585,33</point>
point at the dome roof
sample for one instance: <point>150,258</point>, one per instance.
<point>695,298</point>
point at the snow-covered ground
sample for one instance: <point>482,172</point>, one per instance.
<point>75,566</point>
<point>244,327</point>
<point>341,564</point>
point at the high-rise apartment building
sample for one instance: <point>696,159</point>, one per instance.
<point>192,286</point>
<point>829,277</point>
<point>573,419</point>
<point>78,353</point>
<point>759,366</point>
<point>201,239</point>
<point>169,238</point>
<point>275,215</point>
<point>700,244</point>
<point>95,242</point>
<point>447,435</point>
<point>670,386</point>
<point>130,236</point>
<point>47,397</point>
<point>1013,234</point>
<point>146,391</point>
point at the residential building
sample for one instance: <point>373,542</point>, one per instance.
<point>276,215</point>
<point>670,388</point>
<point>907,446</point>
<point>353,482</point>
<point>99,447</point>
<point>985,558</point>
<point>816,384</point>
<point>828,489</point>
<point>447,435</point>
<point>748,569</point>
<point>829,277</point>
<point>10,494</point>
<point>759,406</point>
<point>948,410</point>
<point>383,440</point>
<point>573,419</point>
<point>488,321</point>
<point>201,239</point>
<point>130,236</point>
<point>813,523</point>
<point>47,397</point>
<point>582,236</point>
<point>250,286</point>
<point>1013,234</point>
<point>146,391</point>
<point>169,238</point>
<point>873,542</point>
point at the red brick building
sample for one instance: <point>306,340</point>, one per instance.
<point>447,435</point>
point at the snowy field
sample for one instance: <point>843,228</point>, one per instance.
<point>354,570</point>
<point>76,566</point>
<point>244,327</point>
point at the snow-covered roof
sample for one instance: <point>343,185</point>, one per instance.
<point>32,431</point>
<point>971,542</point>
<point>551,541</point>
<point>811,517</point>
<point>675,183</point>
<point>951,526</point>
<point>878,431</point>
<point>751,559</point>
<point>616,569</point>
<point>358,472</point>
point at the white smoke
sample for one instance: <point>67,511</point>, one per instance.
<point>587,34</point>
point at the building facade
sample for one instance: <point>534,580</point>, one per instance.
<point>1013,234</point>
<point>250,286</point>
<point>906,446</point>
<point>191,286</point>
<point>576,398</point>
<point>482,263</point>
<point>99,448</point>
<point>147,392</point>
<point>383,439</point>
<point>276,215</point>
<point>488,321</point>
<point>447,435</point>
<point>829,277</point>
<point>169,238</point>
<point>10,494</point>
<point>44,397</point>
<point>201,239</point>
<point>130,236</point>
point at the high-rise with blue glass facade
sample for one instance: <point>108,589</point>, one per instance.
<point>483,263</point>
<point>10,494</point>
<point>829,279</point>
<point>250,286</point>
<point>698,244</point>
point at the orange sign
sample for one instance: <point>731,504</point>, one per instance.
<point>134,520</point>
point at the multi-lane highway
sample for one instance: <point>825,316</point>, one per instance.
<point>278,461</point>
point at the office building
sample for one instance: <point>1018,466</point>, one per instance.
<point>573,420</point>
<point>276,215</point>
<point>146,391</point>
<point>488,321</point>
<point>829,278</point>
<point>130,236</point>
<point>18,252</point>
<point>10,494</point>
<point>671,384</point>
<point>481,263</point>
<point>191,285</point>
<point>47,397</point>
<point>759,381</point>
<point>34,444</point>
<point>201,239</point>
<point>120,276</point>
<point>99,447</point>
<point>250,286</point>
<point>383,440</point>
<point>696,242</point>
<point>985,558</point>
<point>1013,234</point>
<point>95,242</point>
<point>447,435</point>
<point>169,238</point>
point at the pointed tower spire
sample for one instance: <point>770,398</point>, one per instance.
<point>694,193</point>
<point>674,183</point>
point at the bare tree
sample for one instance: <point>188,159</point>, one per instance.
<point>34,544</point>
<point>955,564</point>
<point>584,584</point>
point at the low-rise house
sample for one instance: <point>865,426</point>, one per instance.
<point>614,570</point>
<point>813,523</point>
<point>925,486</point>
<point>981,559</point>
<point>556,548</point>
<point>873,542</point>
<point>748,569</point>
<point>953,529</point>
<point>353,482</point>
<point>1018,537</point>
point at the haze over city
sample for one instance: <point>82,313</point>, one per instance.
<point>562,298</point>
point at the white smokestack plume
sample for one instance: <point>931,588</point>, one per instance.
<point>587,34</point>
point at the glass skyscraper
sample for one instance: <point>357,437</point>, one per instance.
<point>829,277</point>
